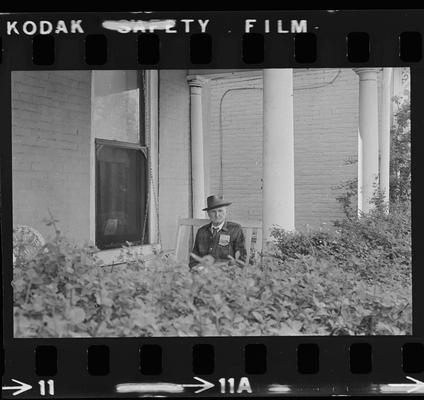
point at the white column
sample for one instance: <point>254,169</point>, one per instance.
<point>368,131</point>
<point>197,152</point>
<point>278,151</point>
<point>384,137</point>
<point>152,136</point>
<point>359,172</point>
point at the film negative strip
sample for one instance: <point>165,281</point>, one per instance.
<point>212,203</point>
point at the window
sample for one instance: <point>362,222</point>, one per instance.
<point>121,214</point>
<point>121,178</point>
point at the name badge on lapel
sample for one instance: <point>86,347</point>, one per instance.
<point>224,240</point>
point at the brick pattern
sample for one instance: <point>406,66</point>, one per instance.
<point>50,149</point>
<point>325,125</point>
<point>235,145</point>
<point>326,131</point>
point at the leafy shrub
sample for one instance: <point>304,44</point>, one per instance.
<point>400,151</point>
<point>316,287</point>
<point>378,238</point>
<point>363,265</point>
<point>53,290</point>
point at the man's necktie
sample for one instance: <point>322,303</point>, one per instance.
<point>214,232</point>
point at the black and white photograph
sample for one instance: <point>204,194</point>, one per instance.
<point>211,202</point>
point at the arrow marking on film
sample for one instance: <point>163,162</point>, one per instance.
<point>205,385</point>
<point>412,387</point>
<point>20,389</point>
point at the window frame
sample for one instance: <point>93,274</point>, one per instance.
<point>149,139</point>
<point>144,152</point>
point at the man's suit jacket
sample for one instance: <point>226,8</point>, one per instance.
<point>227,241</point>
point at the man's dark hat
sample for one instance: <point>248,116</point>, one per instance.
<point>215,202</point>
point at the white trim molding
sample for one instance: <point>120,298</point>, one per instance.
<point>112,256</point>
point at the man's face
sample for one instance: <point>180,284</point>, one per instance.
<point>217,215</point>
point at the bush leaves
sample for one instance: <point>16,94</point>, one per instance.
<point>352,280</point>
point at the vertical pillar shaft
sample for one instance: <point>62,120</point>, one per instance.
<point>368,131</point>
<point>384,137</point>
<point>278,151</point>
<point>197,152</point>
<point>359,173</point>
<point>152,109</point>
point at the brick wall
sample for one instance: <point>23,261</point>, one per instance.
<point>325,124</point>
<point>174,153</point>
<point>50,149</point>
<point>233,143</point>
<point>326,129</point>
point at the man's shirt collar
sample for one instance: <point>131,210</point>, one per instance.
<point>221,226</point>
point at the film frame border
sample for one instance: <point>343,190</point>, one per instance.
<point>226,52</point>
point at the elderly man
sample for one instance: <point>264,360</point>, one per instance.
<point>221,239</point>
